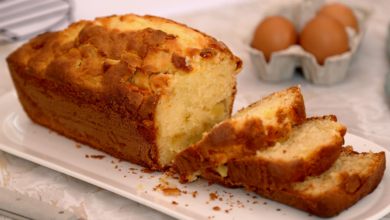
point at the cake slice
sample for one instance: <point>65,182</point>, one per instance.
<point>140,88</point>
<point>352,177</point>
<point>310,149</point>
<point>256,127</point>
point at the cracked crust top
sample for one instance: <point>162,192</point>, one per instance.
<point>118,58</point>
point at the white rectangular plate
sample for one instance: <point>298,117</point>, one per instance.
<point>21,137</point>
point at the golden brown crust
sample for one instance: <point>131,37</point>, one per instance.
<point>333,201</point>
<point>111,67</point>
<point>298,108</point>
<point>254,172</point>
<point>84,123</point>
<point>221,143</point>
<point>295,112</point>
<point>232,140</point>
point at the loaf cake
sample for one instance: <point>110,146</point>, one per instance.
<point>352,177</point>
<point>310,149</point>
<point>251,129</point>
<point>140,88</point>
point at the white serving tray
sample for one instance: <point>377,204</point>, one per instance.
<point>21,137</point>
<point>283,63</point>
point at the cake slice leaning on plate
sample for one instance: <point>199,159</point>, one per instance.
<point>310,149</point>
<point>140,88</point>
<point>352,177</point>
<point>256,127</point>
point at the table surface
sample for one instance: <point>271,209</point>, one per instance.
<point>360,102</point>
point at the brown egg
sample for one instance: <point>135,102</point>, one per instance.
<point>274,34</point>
<point>342,13</point>
<point>324,36</point>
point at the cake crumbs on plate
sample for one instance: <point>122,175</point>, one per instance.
<point>168,188</point>
<point>227,211</point>
<point>278,210</point>
<point>98,156</point>
<point>139,187</point>
<point>216,208</point>
<point>86,156</point>
<point>255,202</point>
<point>213,196</point>
<point>265,203</point>
<point>164,177</point>
<point>175,203</point>
<point>141,176</point>
<point>78,145</point>
<point>116,167</point>
<point>172,191</point>
<point>194,193</point>
<point>147,170</point>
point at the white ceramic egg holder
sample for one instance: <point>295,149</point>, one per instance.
<point>283,63</point>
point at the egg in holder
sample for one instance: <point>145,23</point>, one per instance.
<point>282,64</point>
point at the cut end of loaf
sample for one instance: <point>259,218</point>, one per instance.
<point>197,102</point>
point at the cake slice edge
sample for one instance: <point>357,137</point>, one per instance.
<point>350,189</point>
<point>250,129</point>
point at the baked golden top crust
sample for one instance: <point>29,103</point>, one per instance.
<point>119,57</point>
